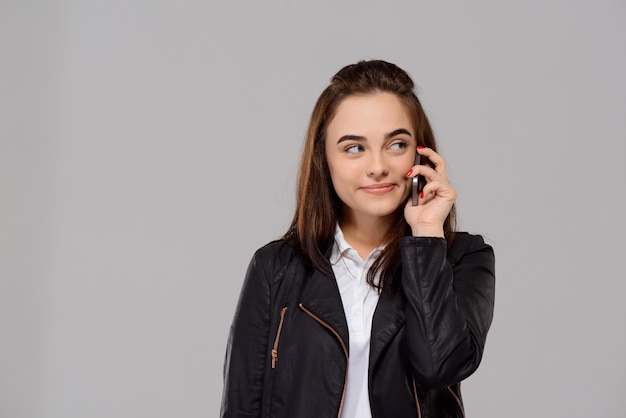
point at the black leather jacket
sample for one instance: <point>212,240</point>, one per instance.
<point>288,346</point>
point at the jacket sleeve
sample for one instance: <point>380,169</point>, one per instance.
<point>449,307</point>
<point>246,353</point>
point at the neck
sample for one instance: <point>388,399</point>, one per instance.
<point>364,234</point>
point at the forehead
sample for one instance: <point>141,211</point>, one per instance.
<point>377,111</point>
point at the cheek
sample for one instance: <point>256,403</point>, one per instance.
<point>404,164</point>
<point>335,176</point>
<point>339,179</point>
<point>340,171</point>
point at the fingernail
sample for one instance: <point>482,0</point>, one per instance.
<point>422,195</point>
<point>420,147</point>
<point>408,173</point>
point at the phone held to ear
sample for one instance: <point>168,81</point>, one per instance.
<point>418,182</point>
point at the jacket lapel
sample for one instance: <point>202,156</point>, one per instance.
<point>388,319</point>
<point>321,297</point>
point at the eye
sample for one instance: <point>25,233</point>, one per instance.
<point>398,145</point>
<point>354,149</point>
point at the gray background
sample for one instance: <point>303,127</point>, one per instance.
<point>147,148</point>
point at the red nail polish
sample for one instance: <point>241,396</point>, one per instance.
<point>420,147</point>
<point>408,173</point>
<point>422,195</point>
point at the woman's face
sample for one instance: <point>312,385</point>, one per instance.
<point>370,145</point>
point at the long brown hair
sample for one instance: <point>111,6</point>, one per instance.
<point>318,207</point>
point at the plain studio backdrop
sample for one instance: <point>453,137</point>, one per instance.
<point>148,148</point>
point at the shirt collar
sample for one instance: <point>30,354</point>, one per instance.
<point>341,246</point>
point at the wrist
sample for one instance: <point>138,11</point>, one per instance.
<point>427,231</point>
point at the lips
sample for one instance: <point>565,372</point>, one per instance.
<point>378,189</point>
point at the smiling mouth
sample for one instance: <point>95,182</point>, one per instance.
<point>379,189</point>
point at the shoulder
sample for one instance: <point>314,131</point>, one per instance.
<point>276,251</point>
<point>275,257</point>
<point>470,241</point>
<point>465,244</point>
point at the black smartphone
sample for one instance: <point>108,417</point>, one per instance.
<point>417,183</point>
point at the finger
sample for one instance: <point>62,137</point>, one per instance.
<point>438,162</point>
<point>429,191</point>
<point>439,188</point>
<point>426,171</point>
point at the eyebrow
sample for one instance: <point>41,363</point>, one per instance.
<point>362,138</point>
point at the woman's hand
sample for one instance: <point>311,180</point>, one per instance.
<point>436,200</point>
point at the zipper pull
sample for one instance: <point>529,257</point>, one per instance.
<point>280,327</point>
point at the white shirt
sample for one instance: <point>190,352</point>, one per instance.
<point>359,302</point>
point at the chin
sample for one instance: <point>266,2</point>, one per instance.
<point>375,206</point>
<point>381,211</point>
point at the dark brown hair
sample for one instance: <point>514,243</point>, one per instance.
<point>318,208</point>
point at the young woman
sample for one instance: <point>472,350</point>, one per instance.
<point>369,306</point>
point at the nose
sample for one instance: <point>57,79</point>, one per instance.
<point>377,166</point>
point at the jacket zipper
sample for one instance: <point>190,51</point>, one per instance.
<point>458,401</point>
<point>343,346</point>
<point>417,401</point>
<point>280,327</point>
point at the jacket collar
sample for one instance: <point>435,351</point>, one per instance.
<point>321,296</point>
